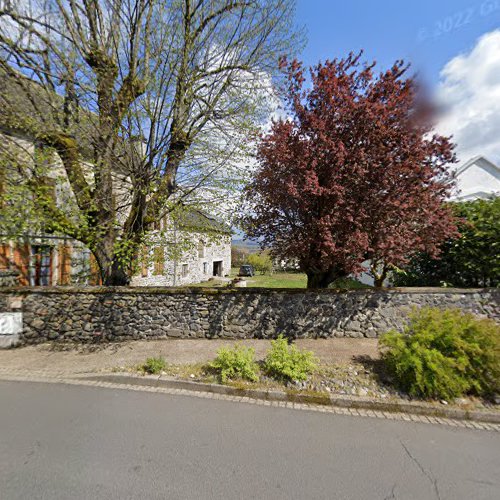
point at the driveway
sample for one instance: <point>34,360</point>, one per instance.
<point>61,441</point>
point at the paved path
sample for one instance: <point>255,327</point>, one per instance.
<point>84,359</point>
<point>61,441</point>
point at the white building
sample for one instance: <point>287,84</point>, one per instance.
<point>477,178</point>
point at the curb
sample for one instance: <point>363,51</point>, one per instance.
<point>354,402</point>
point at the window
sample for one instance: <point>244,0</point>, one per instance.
<point>201,249</point>
<point>205,267</point>
<point>184,270</point>
<point>159,260</point>
<point>41,265</point>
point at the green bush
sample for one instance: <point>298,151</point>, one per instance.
<point>287,362</point>
<point>472,260</point>
<point>238,362</point>
<point>261,262</point>
<point>154,365</point>
<point>444,354</point>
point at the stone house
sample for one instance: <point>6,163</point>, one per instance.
<point>190,249</point>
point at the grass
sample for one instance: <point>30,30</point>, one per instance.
<point>282,280</point>
<point>278,280</point>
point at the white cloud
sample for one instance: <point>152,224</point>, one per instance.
<point>469,92</point>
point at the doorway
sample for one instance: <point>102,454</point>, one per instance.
<point>217,268</point>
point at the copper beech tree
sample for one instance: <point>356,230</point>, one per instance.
<point>354,174</point>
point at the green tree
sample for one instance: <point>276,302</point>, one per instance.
<point>145,102</point>
<point>472,260</point>
<point>261,261</point>
<point>239,256</point>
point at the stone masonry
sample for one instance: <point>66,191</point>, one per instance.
<point>99,314</point>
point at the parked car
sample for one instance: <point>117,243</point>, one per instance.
<point>246,270</point>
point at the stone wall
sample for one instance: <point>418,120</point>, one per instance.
<point>95,314</point>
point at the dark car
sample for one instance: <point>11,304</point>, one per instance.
<point>246,270</point>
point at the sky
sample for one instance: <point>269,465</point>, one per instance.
<point>453,45</point>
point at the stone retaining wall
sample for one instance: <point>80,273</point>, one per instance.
<point>95,314</point>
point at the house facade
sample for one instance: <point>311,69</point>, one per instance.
<point>477,178</point>
<point>191,249</point>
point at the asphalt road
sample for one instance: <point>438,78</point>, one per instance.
<point>75,442</point>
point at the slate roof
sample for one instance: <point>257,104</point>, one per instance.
<point>197,221</point>
<point>26,107</point>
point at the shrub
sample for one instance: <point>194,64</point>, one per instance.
<point>261,262</point>
<point>238,362</point>
<point>287,362</point>
<point>444,354</point>
<point>154,365</point>
<point>472,260</point>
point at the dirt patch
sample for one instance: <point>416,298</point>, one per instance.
<point>72,358</point>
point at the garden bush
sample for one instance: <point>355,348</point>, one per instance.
<point>238,362</point>
<point>261,262</point>
<point>472,260</point>
<point>287,362</point>
<point>444,354</point>
<point>154,365</point>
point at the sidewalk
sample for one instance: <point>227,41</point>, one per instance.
<point>95,365</point>
<point>50,358</point>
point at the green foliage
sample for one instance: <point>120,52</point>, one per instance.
<point>238,362</point>
<point>287,362</point>
<point>348,284</point>
<point>444,354</point>
<point>469,261</point>
<point>239,256</point>
<point>154,366</point>
<point>261,261</point>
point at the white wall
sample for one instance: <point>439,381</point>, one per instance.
<point>479,180</point>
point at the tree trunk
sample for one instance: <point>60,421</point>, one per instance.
<point>322,279</point>
<point>379,277</point>
<point>116,275</point>
<point>114,271</point>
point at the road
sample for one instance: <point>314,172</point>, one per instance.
<point>74,442</point>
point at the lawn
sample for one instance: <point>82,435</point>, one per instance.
<point>280,280</point>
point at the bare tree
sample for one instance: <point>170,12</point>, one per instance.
<point>145,102</point>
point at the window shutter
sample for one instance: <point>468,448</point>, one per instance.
<point>159,260</point>
<point>95,275</point>
<point>4,257</point>
<point>64,252</point>
<point>22,262</point>
<point>144,262</point>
